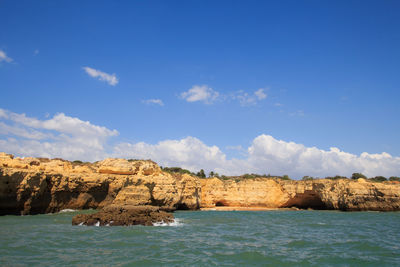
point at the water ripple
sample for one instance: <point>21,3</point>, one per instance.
<point>207,238</point>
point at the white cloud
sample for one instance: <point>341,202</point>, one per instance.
<point>265,155</point>
<point>154,101</point>
<point>4,57</point>
<point>260,94</point>
<point>208,95</point>
<point>59,136</point>
<point>6,129</point>
<point>72,138</point>
<point>189,153</point>
<point>246,99</point>
<point>36,52</point>
<point>200,93</point>
<point>111,79</point>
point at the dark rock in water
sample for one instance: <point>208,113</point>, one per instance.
<point>117,215</point>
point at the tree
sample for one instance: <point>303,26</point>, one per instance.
<point>285,177</point>
<point>201,174</point>
<point>306,178</point>
<point>357,175</point>
<point>394,178</point>
<point>211,174</point>
<point>379,178</point>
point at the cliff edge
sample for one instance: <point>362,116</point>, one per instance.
<point>40,185</point>
<point>322,194</point>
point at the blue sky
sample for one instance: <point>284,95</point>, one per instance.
<point>326,75</point>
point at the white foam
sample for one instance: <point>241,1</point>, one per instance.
<point>66,210</point>
<point>176,222</point>
<point>97,224</point>
<point>81,223</point>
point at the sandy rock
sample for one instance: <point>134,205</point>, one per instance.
<point>52,185</point>
<point>126,167</point>
<point>343,194</point>
<point>39,185</point>
<point>257,192</point>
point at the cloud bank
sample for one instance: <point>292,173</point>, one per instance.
<point>72,138</point>
<point>111,79</point>
<point>4,57</point>
<point>60,136</point>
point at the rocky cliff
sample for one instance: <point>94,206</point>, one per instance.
<point>39,185</point>
<point>343,194</point>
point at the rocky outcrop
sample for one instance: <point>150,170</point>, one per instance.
<point>343,194</point>
<point>39,185</point>
<point>259,192</point>
<point>124,215</point>
<point>36,185</point>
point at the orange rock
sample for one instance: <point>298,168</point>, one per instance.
<point>37,185</point>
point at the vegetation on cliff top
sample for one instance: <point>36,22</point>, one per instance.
<point>201,174</point>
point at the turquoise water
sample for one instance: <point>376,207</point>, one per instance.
<point>208,238</point>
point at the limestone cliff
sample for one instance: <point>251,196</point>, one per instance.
<point>37,185</point>
<point>344,194</point>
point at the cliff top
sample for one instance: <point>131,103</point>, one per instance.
<point>136,167</point>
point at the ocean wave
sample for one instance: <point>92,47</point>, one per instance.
<point>66,210</point>
<point>176,222</point>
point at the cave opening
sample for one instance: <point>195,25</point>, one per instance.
<point>219,204</point>
<point>307,200</point>
<point>181,206</point>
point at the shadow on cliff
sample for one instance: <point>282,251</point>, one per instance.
<point>307,200</point>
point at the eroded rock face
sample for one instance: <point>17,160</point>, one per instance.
<point>38,185</point>
<point>344,194</point>
<point>259,192</point>
<point>34,185</point>
<point>125,215</point>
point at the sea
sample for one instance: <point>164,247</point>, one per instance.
<point>207,238</point>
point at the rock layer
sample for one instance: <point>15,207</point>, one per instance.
<point>39,185</point>
<point>34,185</point>
<point>343,194</point>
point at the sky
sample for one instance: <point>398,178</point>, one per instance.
<point>268,87</point>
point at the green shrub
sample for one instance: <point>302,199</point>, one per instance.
<point>307,178</point>
<point>248,176</point>
<point>337,177</point>
<point>176,170</point>
<point>357,175</point>
<point>378,179</point>
<point>201,174</point>
<point>394,178</point>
